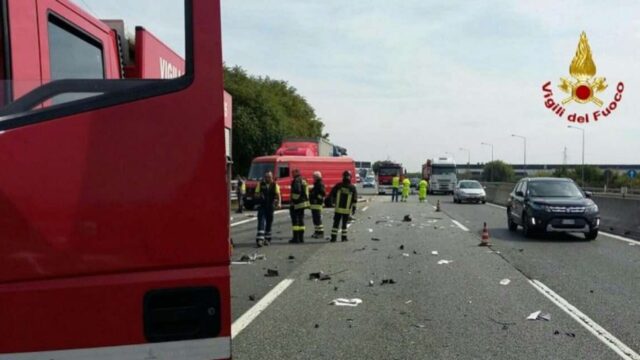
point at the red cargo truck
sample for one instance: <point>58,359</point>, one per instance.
<point>114,211</point>
<point>282,166</point>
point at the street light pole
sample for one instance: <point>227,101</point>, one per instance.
<point>581,129</point>
<point>492,165</point>
<point>525,151</point>
<point>468,160</point>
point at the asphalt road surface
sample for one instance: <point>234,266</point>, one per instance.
<point>434,310</point>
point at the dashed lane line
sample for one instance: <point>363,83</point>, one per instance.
<point>255,218</point>
<point>243,321</point>
<point>598,331</point>
<point>458,224</point>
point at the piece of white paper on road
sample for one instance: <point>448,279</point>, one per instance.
<point>444,262</point>
<point>346,302</point>
<point>534,315</point>
<point>434,252</point>
<point>370,230</point>
<point>405,254</point>
<point>505,282</point>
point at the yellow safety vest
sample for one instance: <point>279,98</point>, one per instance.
<point>395,182</point>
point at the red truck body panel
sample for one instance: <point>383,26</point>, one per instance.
<point>100,207</point>
<point>154,59</point>
<point>330,167</point>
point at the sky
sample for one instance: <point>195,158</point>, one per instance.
<point>415,79</point>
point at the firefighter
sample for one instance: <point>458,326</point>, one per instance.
<point>422,190</point>
<point>299,202</point>
<point>344,197</point>
<point>316,199</point>
<point>406,187</point>
<point>268,199</point>
<point>241,189</point>
<point>395,185</point>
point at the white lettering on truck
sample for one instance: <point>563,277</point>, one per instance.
<point>168,70</point>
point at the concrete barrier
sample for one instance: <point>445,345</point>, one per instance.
<point>620,216</point>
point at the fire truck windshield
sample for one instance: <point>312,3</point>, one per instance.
<point>389,171</point>
<point>257,170</point>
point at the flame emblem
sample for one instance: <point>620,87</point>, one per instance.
<point>583,70</point>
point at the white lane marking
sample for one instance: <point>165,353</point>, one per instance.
<point>365,208</point>
<point>255,218</point>
<point>246,318</point>
<point>497,206</point>
<point>598,331</point>
<point>618,237</point>
<point>613,236</point>
<point>460,225</point>
<point>214,348</point>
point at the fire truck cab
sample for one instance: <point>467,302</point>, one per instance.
<point>114,210</point>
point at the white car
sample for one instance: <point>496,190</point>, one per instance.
<point>470,191</point>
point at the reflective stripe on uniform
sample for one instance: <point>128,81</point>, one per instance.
<point>295,196</point>
<point>302,205</point>
<point>316,206</point>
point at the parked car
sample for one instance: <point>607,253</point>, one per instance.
<point>369,182</point>
<point>470,191</point>
<point>543,205</point>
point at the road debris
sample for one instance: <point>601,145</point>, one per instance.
<point>505,282</point>
<point>360,249</point>
<point>434,252</point>
<point>419,326</point>
<point>387,281</point>
<point>252,298</point>
<point>405,254</point>
<point>380,221</point>
<point>375,239</point>
<point>291,257</point>
<point>539,315</point>
<point>370,282</point>
<point>370,230</point>
<point>272,273</point>
<point>346,302</point>
<point>319,276</point>
<point>252,257</point>
<point>441,262</point>
<point>505,325</point>
<point>415,252</point>
<point>401,247</point>
<point>407,218</point>
<point>316,326</point>
<point>408,302</point>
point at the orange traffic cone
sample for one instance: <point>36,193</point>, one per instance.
<point>438,206</point>
<point>484,241</point>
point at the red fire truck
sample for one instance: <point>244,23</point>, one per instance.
<point>114,216</point>
<point>331,168</point>
<point>386,171</point>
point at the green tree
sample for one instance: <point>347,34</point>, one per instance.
<point>593,176</point>
<point>264,112</point>
<point>498,171</point>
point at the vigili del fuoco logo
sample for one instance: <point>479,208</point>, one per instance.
<point>584,88</point>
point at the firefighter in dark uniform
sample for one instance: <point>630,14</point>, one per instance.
<point>316,199</point>
<point>344,197</point>
<point>299,202</point>
<point>267,196</point>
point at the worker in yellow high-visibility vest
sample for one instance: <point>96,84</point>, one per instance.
<point>406,187</point>
<point>395,188</point>
<point>422,190</point>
